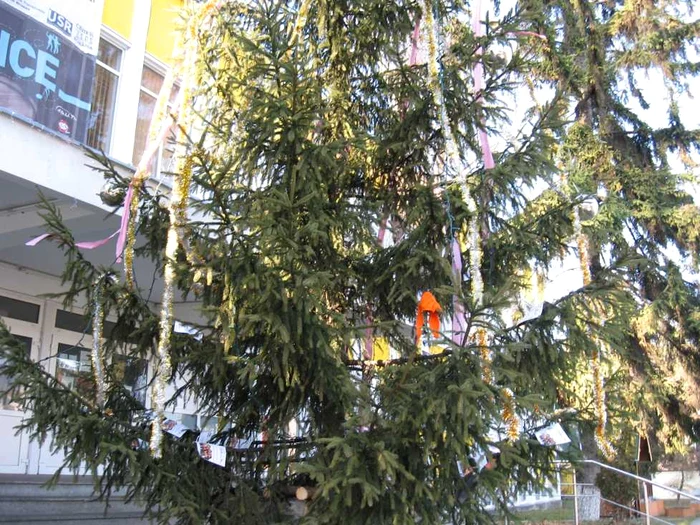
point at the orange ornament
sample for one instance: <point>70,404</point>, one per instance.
<point>428,304</point>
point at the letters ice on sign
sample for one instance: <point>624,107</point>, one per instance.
<point>43,75</point>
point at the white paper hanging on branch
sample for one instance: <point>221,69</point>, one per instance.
<point>205,436</point>
<point>174,428</point>
<point>532,311</point>
<point>213,453</point>
<point>552,435</point>
<point>244,443</point>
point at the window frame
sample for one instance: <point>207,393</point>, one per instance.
<point>113,38</point>
<point>85,340</point>
<point>161,69</point>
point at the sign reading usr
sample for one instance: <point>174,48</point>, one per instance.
<point>44,75</point>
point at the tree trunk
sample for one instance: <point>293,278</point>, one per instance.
<point>588,503</point>
<point>589,494</point>
<point>682,483</point>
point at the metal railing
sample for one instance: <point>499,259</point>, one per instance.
<point>648,517</point>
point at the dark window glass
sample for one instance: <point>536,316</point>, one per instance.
<point>109,54</point>
<point>73,322</point>
<point>74,369</point>
<point>78,323</point>
<point>21,310</point>
<point>133,373</point>
<point>6,402</point>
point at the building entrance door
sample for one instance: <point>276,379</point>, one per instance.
<point>15,450</point>
<point>72,366</point>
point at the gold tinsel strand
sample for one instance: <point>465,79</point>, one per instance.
<point>601,410</point>
<point>159,122</point>
<point>509,415</point>
<point>582,243</point>
<point>300,22</point>
<point>178,205</point>
<point>98,358</point>
<point>178,218</point>
<point>482,343</point>
<point>598,386</point>
<point>131,234</point>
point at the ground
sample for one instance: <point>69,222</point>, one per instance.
<point>564,515</point>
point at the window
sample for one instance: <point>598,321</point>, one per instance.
<point>133,374</point>
<point>74,369</point>
<point>151,83</point>
<point>21,310</point>
<point>79,323</point>
<point>104,96</point>
<point>189,420</point>
<point>6,401</point>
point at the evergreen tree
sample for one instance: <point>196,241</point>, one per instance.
<point>316,132</point>
<point>647,223</point>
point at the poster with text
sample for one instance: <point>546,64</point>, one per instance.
<point>77,21</point>
<point>552,435</point>
<point>47,61</point>
<point>213,453</point>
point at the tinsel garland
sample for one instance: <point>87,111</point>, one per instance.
<point>160,125</point>
<point>178,210</point>
<point>509,415</point>
<point>598,386</point>
<point>300,21</point>
<point>582,243</point>
<point>98,358</point>
<point>601,410</point>
<point>454,164</point>
<point>142,171</point>
<point>482,343</point>
<point>179,197</point>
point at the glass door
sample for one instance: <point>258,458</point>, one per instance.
<point>22,319</point>
<point>72,366</point>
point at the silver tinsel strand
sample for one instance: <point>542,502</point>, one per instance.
<point>98,367</point>
<point>163,353</point>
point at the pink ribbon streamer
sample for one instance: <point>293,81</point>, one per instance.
<point>85,245</point>
<point>414,45</point>
<point>150,152</point>
<point>37,240</point>
<point>478,72</point>
<point>142,168</point>
<point>486,153</point>
<point>91,245</point>
<point>459,322</point>
<point>369,346</point>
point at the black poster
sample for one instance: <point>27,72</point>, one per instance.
<point>43,76</point>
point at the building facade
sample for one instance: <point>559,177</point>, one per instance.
<point>49,61</point>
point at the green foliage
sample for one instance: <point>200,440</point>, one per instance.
<point>307,146</point>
